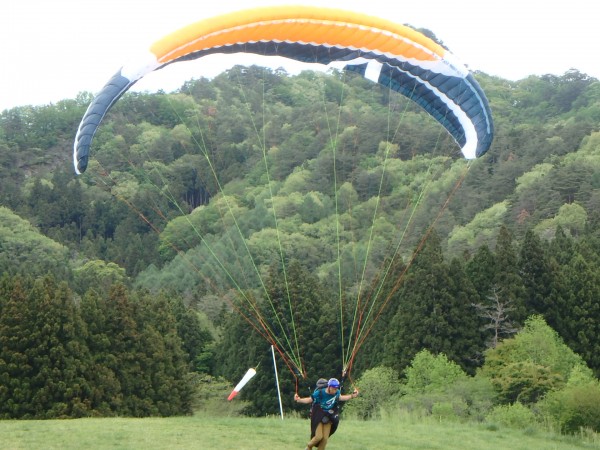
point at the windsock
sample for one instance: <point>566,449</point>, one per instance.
<point>251,372</point>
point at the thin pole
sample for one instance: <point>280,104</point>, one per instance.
<point>277,382</point>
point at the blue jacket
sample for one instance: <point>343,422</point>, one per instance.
<point>324,409</point>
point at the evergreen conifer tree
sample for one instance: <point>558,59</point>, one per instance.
<point>167,369</point>
<point>16,372</point>
<point>372,352</point>
<point>129,359</point>
<point>481,271</point>
<point>466,338</point>
<point>302,316</point>
<point>535,271</point>
<point>145,355</point>
<point>580,315</point>
<point>58,353</point>
<point>507,281</point>
<point>197,342</point>
<point>105,396</point>
<point>434,312</point>
<point>43,356</point>
<point>561,247</point>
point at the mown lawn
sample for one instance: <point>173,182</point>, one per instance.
<point>201,432</point>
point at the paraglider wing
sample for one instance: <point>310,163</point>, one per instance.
<point>388,53</point>
<point>238,387</point>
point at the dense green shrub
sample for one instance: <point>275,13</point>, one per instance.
<point>534,362</point>
<point>515,415</point>
<point>378,387</point>
<point>439,387</point>
<point>576,406</point>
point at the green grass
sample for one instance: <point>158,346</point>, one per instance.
<point>202,432</point>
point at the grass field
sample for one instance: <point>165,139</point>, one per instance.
<point>200,432</point>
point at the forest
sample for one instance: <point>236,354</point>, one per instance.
<point>317,213</point>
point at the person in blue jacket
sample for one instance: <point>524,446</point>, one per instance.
<point>324,417</point>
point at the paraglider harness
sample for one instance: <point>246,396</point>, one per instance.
<point>319,415</point>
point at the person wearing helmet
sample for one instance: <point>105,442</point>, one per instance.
<point>324,416</point>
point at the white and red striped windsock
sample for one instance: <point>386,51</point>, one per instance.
<point>249,374</point>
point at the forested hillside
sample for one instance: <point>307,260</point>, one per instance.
<point>317,212</point>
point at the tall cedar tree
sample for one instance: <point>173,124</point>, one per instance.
<point>126,348</point>
<point>507,280</point>
<point>117,357</point>
<point>58,354</point>
<point>481,270</point>
<point>16,371</point>
<point>140,356</point>
<point>561,247</point>
<point>167,370</point>
<point>469,342</point>
<point>244,345</point>
<point>434,312</point>
<point>236,350</point>
<point>315,329</point>
<point>106,397</point>
<point>43,357</point>
<point>316,318</point>
<point>372,352</point>
<point>196,341</point>
<point>561,250</point>
<point>581,315</point>
<point>536,272</point>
